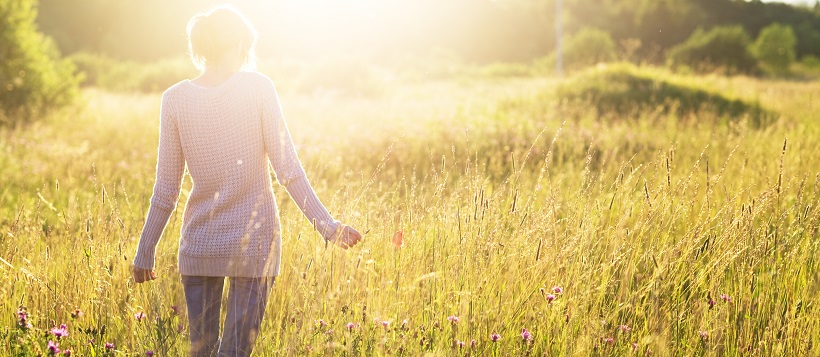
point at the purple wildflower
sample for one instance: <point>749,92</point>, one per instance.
<point>453,319</point>
<point>609,340</point>
<point>53,348</point>
<point>460,344</point>
<point>624,328</point>
<point>139,316</point>
<point>704,335</point>
<point>67,352</point>
<point>350,326</point>
<point>109,346</point>
<point>557,289</point>
<point>385,324</point>
<point>473,343</point>
<point>711,303</point>
<point>76,314</point>
<point>149,353</point>
<point>495,337</point>
<point>725,298</point>
<point>175,308</point>
<point>22,318</point>
<point>550,298</point>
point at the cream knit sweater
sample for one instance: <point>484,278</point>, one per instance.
<point>226,135</point>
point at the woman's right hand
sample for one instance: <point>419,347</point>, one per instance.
<point>346,237</point>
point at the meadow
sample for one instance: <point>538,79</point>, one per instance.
<point>532,225</point>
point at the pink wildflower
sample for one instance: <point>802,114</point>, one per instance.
<point>550,298</point>
<point>609,340</point>
<point>350,326</point>
<point>704,335</point>
<point>526,336</point>
<point>711,303</point>
<point>175,308</point>
<point>452,319</point>
<point>624,328</point>
<point>634,347</point>
<point>495,337</point>
<point>460,344</point>
<point>149,353</point>
<point>557,290</point>
<point>109,346</point>
<point>139,316</point>
<point>385,324</point>
<point>67,352</point>
<point>473,343</point>
<point>60,332</point>
<point>725,298</point>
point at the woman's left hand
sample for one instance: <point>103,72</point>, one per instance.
<point>346,237</point>
<point>143,275</point>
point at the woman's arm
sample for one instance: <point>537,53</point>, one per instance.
<point>289,173</point>
<point>170,168</point>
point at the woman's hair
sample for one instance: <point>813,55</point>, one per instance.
<point>213,34</point>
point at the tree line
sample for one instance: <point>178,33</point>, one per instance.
<point>703,35</point>
<point>475,30</point>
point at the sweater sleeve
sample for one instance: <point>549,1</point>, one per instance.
<point>288,169</point>
<point>170,168</point>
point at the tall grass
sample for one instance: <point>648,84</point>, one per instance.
<point>649,226</point>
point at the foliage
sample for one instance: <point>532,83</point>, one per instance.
<point>624,91</point>
<point>33,77</point>
<point>775,48</point>
<point>723,49</point>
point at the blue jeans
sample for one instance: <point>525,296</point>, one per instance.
<point>246,308</point>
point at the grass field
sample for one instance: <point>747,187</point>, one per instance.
<point>651,232</point>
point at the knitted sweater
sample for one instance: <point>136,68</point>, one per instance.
<point>226,135</point>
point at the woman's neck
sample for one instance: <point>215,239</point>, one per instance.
<point>214,76</point>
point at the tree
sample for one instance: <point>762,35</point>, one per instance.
<point>723,49</point>
<point>32,77</point>
<point>775,47</point>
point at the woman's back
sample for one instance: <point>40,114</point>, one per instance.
<point>226,134</point>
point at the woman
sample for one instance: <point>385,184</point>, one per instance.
<point>225,126</point>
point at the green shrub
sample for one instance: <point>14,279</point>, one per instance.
<point>33,79</point>
<point>586,48</point>
<point>775,48</point>
<point>810,61</point>
<point>589,47</point>
<point>129,76</point>
<point>624,90</point>
<point>721,49</point>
